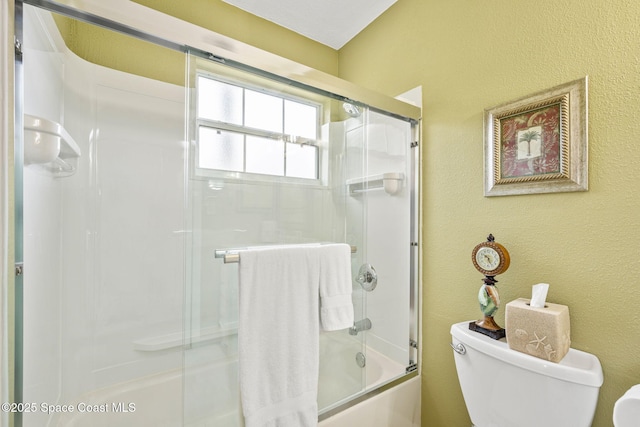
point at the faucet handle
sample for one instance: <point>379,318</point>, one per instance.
<point>367,277</point>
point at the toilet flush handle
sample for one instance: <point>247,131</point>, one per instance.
<point>459,348</point>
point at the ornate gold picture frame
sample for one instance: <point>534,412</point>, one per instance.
<point>538,144</point>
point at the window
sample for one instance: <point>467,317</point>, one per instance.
<point>240,129</point>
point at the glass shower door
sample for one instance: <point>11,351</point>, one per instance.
<point>129,305</point>
<point>386,195</point>
<point>379,197</point>
<point>103,209</point>
<point>267,168</point>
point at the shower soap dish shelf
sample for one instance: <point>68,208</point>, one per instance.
<point>178,339</point>
<point>391,183</point>
<point>49,145</point>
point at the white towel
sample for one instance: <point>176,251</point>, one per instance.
<point>278,336</point>
<point>336,306</point>
<point>281,289</point>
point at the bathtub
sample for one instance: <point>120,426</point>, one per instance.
<point>390,398</point>
<point>160,400</point>
<point>397,406</point>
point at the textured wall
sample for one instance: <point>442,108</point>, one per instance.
<point>469,56</point>
<point>125,53</point>
<point>122,52</point>
<point>231,21</point>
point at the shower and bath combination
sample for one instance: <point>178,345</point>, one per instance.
<point>125,298</point>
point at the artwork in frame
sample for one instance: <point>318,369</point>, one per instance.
<point>538,144</point>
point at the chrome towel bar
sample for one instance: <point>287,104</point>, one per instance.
<point>233,255</point>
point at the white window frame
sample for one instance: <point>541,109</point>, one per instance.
<point>317,142</point>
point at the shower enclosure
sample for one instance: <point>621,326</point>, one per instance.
<point>141,181</point>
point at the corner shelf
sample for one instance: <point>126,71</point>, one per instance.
<point>390,182</point>
<point>49,145</point>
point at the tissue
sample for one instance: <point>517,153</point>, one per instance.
<point>542,331</point>
<point>539,295</point>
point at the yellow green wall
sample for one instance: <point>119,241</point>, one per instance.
<point>104,47</point>
<point>230,21</point>
<point>122,52</point>
<point>472,55</point>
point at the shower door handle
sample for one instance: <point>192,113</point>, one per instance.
<point>19,268</point>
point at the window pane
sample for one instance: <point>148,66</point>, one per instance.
<point>219,101</point>
<point>265,156</point>
<point>302,161</point>
<point>263,111</point>
<point>300,119</point>
<point>220,150</point>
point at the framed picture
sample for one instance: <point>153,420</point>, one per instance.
<point>538,144</point>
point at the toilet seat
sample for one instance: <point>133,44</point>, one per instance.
<point>626,411</point>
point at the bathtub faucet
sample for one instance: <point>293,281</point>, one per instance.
<point>360,325</point>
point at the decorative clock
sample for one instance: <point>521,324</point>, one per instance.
<point>489,258</point>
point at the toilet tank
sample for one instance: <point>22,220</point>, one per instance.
<point>506,388</point>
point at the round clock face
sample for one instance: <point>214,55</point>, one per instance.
<point>490,258</point>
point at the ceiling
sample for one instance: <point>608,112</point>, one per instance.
<point>330,22</point>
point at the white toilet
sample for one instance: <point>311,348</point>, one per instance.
<point>506,388</point>
<point>626,412</point>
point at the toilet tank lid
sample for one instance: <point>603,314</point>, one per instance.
<point>576,366</point>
